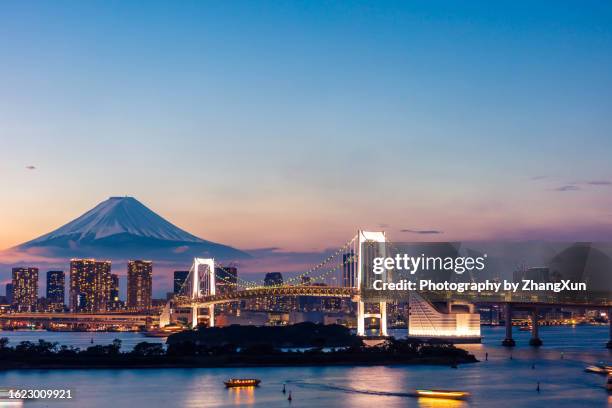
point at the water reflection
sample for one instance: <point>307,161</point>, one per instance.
<point>440,403</point>
<point>242,395</point>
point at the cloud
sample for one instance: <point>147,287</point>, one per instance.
<point>567,187</point>
<point>539,177</point>
<point>422,232</point>
<point>599,183</point>
<point>30,167</point>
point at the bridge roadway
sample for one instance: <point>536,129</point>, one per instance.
<point>100,318</point>
<point>276,291</point>
<point>519,300</point>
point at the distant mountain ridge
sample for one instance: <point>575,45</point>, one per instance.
<point>124,227</point>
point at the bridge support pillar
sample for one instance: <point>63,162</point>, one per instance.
<point>383,319</point>
<point>535,326</point>
<point>211,316</point>
<point>609,344</point>
<point>508,341</point>
<point>194,317</point>
<point>360,318</point>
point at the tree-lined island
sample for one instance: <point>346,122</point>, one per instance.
<point>237,346</point>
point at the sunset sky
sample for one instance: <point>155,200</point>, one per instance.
<point>293,124</point>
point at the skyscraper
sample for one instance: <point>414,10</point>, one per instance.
<point>56,281</point>
<point>90,283</point>
<point>348,270</point>
<point>226,279</point>
<point>115,303</point>
<point>273,279</point>
<point>179,280</point>
<point>25,289</point>
<point>9,293</point>
<point>140,285</point>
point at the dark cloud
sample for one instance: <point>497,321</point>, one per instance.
<point>599,183</point>
<point>422,232</point>
<point>31,167</point>
<point>567,187</point>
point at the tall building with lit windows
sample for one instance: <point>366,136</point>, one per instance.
<point>56,281</point>
<point>179,280</point>
<point>25,289</point>
<point>90,284</point>
<point>115,303</point>
<point>348,270</point>
<point>139,285</point>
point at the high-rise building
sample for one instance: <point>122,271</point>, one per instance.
<point>56,281</point>
<point>226,279</point>
<point>139,285</point>
<point>273,279</point>
<point>9,293</point>
<point>226,282</point>
<point>179,280</point>
<point>115,303</point>
<point>25,289</point>
<point>90,283</point>
<point>348,270</point>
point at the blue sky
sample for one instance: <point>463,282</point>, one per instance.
<point>292,124</point>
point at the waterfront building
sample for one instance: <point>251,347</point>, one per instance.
<point>90,284</point>
<point>226,282</point>
<point>348,270</point>
<point>9,293</point>
<point>273,279</point>
<point>447,321</point>
<point>139,285</point>
<point>25,289</point>
<point>179,280</point>
<point>114,301</point>
<point>226,279</point>
<point>56,282</point>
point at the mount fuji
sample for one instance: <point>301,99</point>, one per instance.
<point>122,227</point>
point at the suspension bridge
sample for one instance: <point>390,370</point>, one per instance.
<point>340,276</point>
<point>337,276</point>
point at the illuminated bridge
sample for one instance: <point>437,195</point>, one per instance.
<point>273,291</point>
<point>340,276</point>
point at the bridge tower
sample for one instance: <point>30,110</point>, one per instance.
<point>202,283</point>
<point>362,237</point>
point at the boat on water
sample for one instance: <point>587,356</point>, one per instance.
<point>599,369</point>
<point>448,394</point>
<point>241,382</point>
<point>164,331</point>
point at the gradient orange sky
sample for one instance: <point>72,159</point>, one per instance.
<point>292,125</point>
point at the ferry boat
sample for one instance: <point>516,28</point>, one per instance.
<point>241,382</point>
<point>599,369</point>
<point>448,394</point>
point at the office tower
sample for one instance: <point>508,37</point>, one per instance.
<point>179,280</point>
<point>115,303</point>
<point>226,279</point>
<point>9,293</point>
<point>139,285</point>
<point>226,282</point>
<point>56,281</point>
<point>90,283</point>
<point>25,289</point>
<point>348,270</point>
<point>273,279</point>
